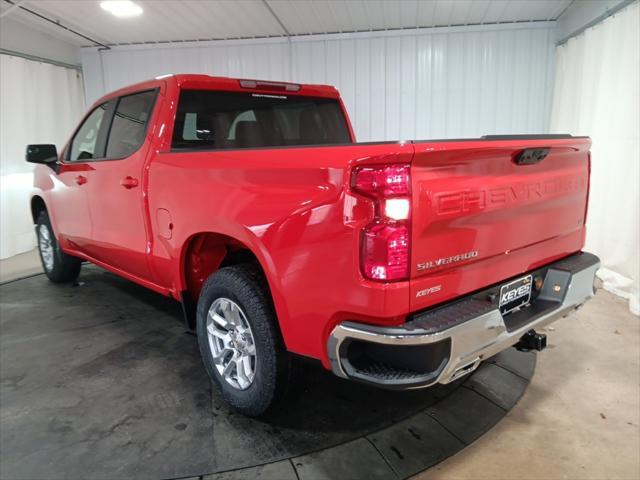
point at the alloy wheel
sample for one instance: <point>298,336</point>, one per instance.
<point>45,244</point>
<point>231,343</point>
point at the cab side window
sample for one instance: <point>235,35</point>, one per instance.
<point>129,124</point>
<point>85,145</point>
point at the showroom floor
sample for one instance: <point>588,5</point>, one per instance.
<point>579,417</point>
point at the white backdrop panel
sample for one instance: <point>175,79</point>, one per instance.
<point>41,103</point>
<point>409,84</point>
<point>597,93</point>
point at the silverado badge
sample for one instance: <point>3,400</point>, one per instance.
<point>446,260</point>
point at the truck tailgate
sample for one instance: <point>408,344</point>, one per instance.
<point>490,209</point>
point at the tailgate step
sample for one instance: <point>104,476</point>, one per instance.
<point>442,318</point>
<point>575,263</point>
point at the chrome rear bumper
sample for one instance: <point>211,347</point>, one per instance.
<point>445,343</point>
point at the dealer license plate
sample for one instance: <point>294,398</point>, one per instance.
<point>515,294</point>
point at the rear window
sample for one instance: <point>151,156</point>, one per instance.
<point>216,120</point>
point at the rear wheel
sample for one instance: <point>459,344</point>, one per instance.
<point>239,340</point>
<point>58,266</point>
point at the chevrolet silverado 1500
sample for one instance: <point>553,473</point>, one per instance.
<point>398,264</point>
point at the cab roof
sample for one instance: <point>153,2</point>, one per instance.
<point>192,81</point>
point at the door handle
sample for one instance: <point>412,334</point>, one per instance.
<point>81,180</point>
<point>129,182</point>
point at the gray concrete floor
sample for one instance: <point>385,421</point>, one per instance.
<point>100,380</point>
<point>20,265</point>
<point>580,417</point>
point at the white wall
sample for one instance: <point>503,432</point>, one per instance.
<point>18,37</point>
<point>581,13</point>
<point>597,93</point>
<point>40,103</point>
<point>425,83</point>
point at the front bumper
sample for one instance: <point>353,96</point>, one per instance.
<point>447,342</point>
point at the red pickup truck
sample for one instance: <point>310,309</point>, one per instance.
<point>398,264</point>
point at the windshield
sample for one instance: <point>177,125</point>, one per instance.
<point>209,119</point>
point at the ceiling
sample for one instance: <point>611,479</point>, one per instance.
<point>189,20</point>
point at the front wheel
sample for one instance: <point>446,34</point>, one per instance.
<point>239,340</point>
<point>58,266</point>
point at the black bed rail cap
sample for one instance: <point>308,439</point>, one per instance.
<point>550,136</point>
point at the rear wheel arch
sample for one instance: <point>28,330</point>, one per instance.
<point>205,253</point>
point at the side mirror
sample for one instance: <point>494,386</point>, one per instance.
<point>45,154</point>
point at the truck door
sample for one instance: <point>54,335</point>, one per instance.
<point>70,207</point>
<point>116,195</point>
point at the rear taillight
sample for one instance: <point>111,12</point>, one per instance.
<point>382,182</point>
<point>385,242</point>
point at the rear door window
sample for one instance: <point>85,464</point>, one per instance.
<point>129,124</point>
<point>217,120</point>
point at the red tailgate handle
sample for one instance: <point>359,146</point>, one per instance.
<point>129,182</point>
<point>81,180</point>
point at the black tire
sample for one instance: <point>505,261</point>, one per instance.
<point>246,287</point>
<point>58,266</point>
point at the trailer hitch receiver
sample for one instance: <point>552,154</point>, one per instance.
<point>532,341</point>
